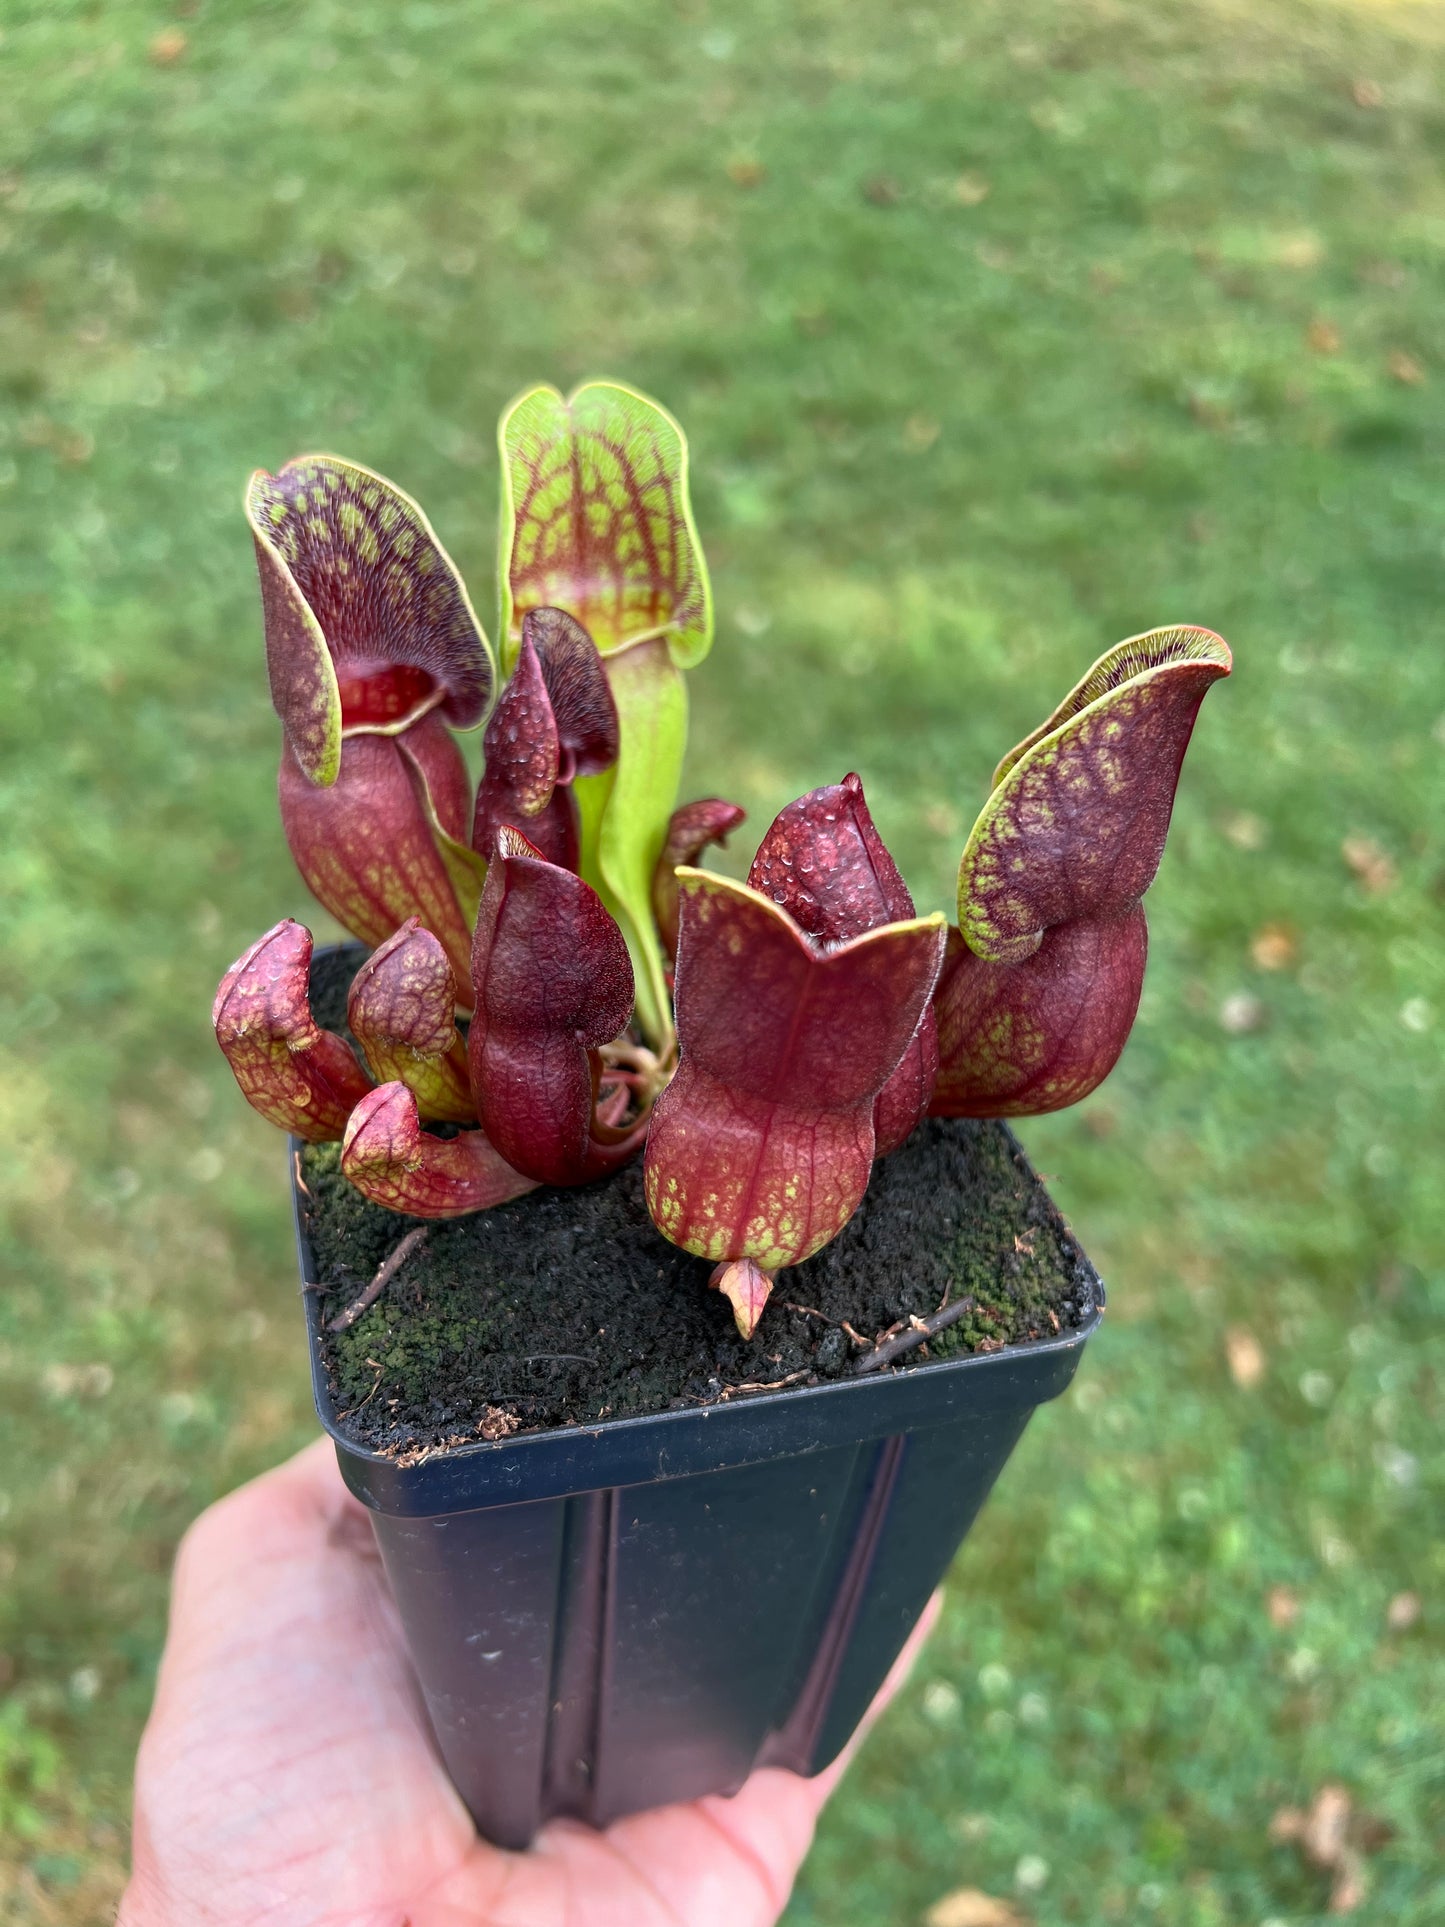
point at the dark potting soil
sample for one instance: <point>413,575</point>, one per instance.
<point>568,1306</point>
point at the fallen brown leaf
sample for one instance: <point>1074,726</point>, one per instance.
<point>1245,1355</point>
<point>1274,946</point>
<point>1282,1605</point>
<point>744,171</point>
<point>1372,1833</point>
<point>1323,337</point>
<point>1323,1833</point>
<point>167,47</point>
<point>1370,865</point>
<point>1332,1837</point>
<point>1367,93</point>
<point>1404,368</point>
<point>1349,1887</point>
<point>882,190</point>
<point>1286,1824</point>
<point>970,1907</point>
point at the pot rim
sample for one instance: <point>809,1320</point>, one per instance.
<point>643,1448</point>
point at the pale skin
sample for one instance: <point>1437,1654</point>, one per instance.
<point>286,1777</point>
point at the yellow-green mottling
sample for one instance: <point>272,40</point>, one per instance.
<point>342,552</point>
<point>596,519</point>
<point>1098,772</point>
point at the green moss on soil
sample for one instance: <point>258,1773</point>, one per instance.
<point>568,1307</point>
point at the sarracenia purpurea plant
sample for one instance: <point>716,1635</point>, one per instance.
<point>551,972</point>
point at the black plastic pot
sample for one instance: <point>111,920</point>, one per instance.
<point>613,1617</point>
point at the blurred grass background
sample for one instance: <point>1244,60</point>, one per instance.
<point>1001,331</point>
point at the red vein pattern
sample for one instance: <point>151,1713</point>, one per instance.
<point>1044,976</point>
<point>689,832</point>
<point>392,1161</point>
<point>824,862</point>
<point>599,519</point>
<point>401,1009</point>
<point>552,981</point>
<point>290,1070</point>
<point>349,561</point>
<point>555,721</point>
<point>762,1144</point>
<point>1077,822</point>
<point>365,847</point>
<point>1017,1040</point>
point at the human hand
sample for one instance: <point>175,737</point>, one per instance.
<point>287,1774</point>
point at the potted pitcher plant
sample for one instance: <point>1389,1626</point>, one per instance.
<point>675,1292</point>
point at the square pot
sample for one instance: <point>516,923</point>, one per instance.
<point>611,1617</point>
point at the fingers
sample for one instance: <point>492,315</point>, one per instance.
<point>231,1575</point>
<point>278,1514</point>
<point>286,1753</point>
<point>776,1811</point>
<point>897,1678</point>
<point>286,1759</point>
<point>716,1862</point>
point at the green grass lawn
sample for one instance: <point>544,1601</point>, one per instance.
<point>1001,331</point>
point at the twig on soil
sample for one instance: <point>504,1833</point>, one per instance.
<point>808,1311</point>
<point>918,1332</point>
<point>385,1272</point>
<point>572,1358</point>
<point>380,1372</point>
<point>771,1385</point>
<point>838,1324</point>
